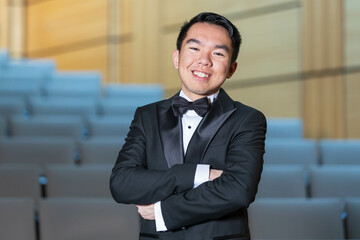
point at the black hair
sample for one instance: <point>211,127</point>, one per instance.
<point>213,18</point>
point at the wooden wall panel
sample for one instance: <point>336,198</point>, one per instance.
<point>55,23</point>
<point>176,12</point>
<point>274,100</point>
<point>270,45</point>
<point>352,105</point>
<point>95,58</point>
<point>352,32</point>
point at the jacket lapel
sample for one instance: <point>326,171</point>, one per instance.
<point>221,109</point>
<point>171,134</point>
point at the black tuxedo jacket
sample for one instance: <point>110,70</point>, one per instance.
<point>151,167</point>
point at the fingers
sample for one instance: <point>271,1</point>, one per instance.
<point>214,173</point>
<point>146,211</point>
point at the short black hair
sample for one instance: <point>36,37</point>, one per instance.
<point>213,18</point>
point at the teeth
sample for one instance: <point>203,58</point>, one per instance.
<point>201,74</point>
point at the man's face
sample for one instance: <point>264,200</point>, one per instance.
<point>204,61</point>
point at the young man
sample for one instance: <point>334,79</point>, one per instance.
<point>192,163</point>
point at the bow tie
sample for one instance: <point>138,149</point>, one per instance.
<point>180,105</point>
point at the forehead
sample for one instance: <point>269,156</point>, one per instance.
<point>206,32</point>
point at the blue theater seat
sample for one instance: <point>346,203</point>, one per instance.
<point>87,218</point>
<point>291,151</point>
<point>17,219</point>
<point>340,151</point>
<point>284,128</point>
<point>296,219</point>
<point>340,181</point>
<point>282,181</point>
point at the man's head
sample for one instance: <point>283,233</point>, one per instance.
<point>216,19</point>
<point>206,56</point>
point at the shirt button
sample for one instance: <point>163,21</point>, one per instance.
<point>189,127</point>
<point>183,228</point>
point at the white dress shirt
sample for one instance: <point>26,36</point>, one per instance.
<point>190,121</point>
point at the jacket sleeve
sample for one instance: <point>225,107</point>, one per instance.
<point>233,190</point>
<point>131,181</point>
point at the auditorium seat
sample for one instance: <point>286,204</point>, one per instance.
<point>22,89</point>
<point>353,218</point>
<point>340,151</point>
<point>120,108</point>
<point>291,151</point>
<point>282,181</point>
<point>66,106</point>
<point>37,150</point>
<point>115,126</point>
<point>28,69</point>
<point>78,181</point>
<point>146,92</point>
<point>339,181</point>
<point>284,128</point>
<point>87,218</point>
<point>296,219</point>
<point>74,83</point>
<point>11,106</point>
<point>19,180</point>
<point>3,127</point>
<point>100,149</point>
<point>17,219</point>
<point>51,126</point>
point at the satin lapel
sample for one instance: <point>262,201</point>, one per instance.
<point>220,110</point>
<point>171,137</point>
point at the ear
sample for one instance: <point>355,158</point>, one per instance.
<point>176,58</point>
<point>232,69</point>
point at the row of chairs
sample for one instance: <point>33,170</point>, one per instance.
<point>92,180</point>
<point>107,138</point>
<point>77,105</point>
<point>67,219</point>
<point>48,150</point>
<point>65,126</point>
<point>99,218</point>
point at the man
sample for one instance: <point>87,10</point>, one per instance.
<point>192,168</point>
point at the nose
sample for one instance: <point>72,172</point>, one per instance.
<point>205,60</point>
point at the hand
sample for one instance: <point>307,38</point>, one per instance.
<point>146,211</point>
<point>214,173</point>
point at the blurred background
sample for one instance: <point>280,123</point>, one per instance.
<point>73,72</point>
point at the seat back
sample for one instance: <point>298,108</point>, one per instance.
<point>335,181</point>
<point>78,181</point>
<point>100,149</point>
<point>353,217</point>
<point>340,151</point>
<point>280,181</point>
<point>17,219</point>
<point>87,218</point>
<point>296,219</point>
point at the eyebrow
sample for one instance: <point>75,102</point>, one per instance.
<point>221,46</point>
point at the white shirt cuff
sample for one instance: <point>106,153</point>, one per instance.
<point>159,220</point>
<point>201,174</point>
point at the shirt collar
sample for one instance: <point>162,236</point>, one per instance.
<point>211,97</point>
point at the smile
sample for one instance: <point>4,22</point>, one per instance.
<point>201,74</point>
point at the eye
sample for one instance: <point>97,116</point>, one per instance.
<point>194,48</point>
<point>219,54</point>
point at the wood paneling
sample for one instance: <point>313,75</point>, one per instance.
<point>274,100</point>
<point>352,105</point>
<point>95,58</point>
<point>323,92</point>
<point>352,32</point>
<point>270,45</point>
<point>58,23</point>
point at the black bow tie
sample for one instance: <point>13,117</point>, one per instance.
<point>180,105</point>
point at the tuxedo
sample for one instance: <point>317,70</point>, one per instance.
<point>151,167</point>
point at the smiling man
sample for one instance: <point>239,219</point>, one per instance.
<point>192,163</point>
